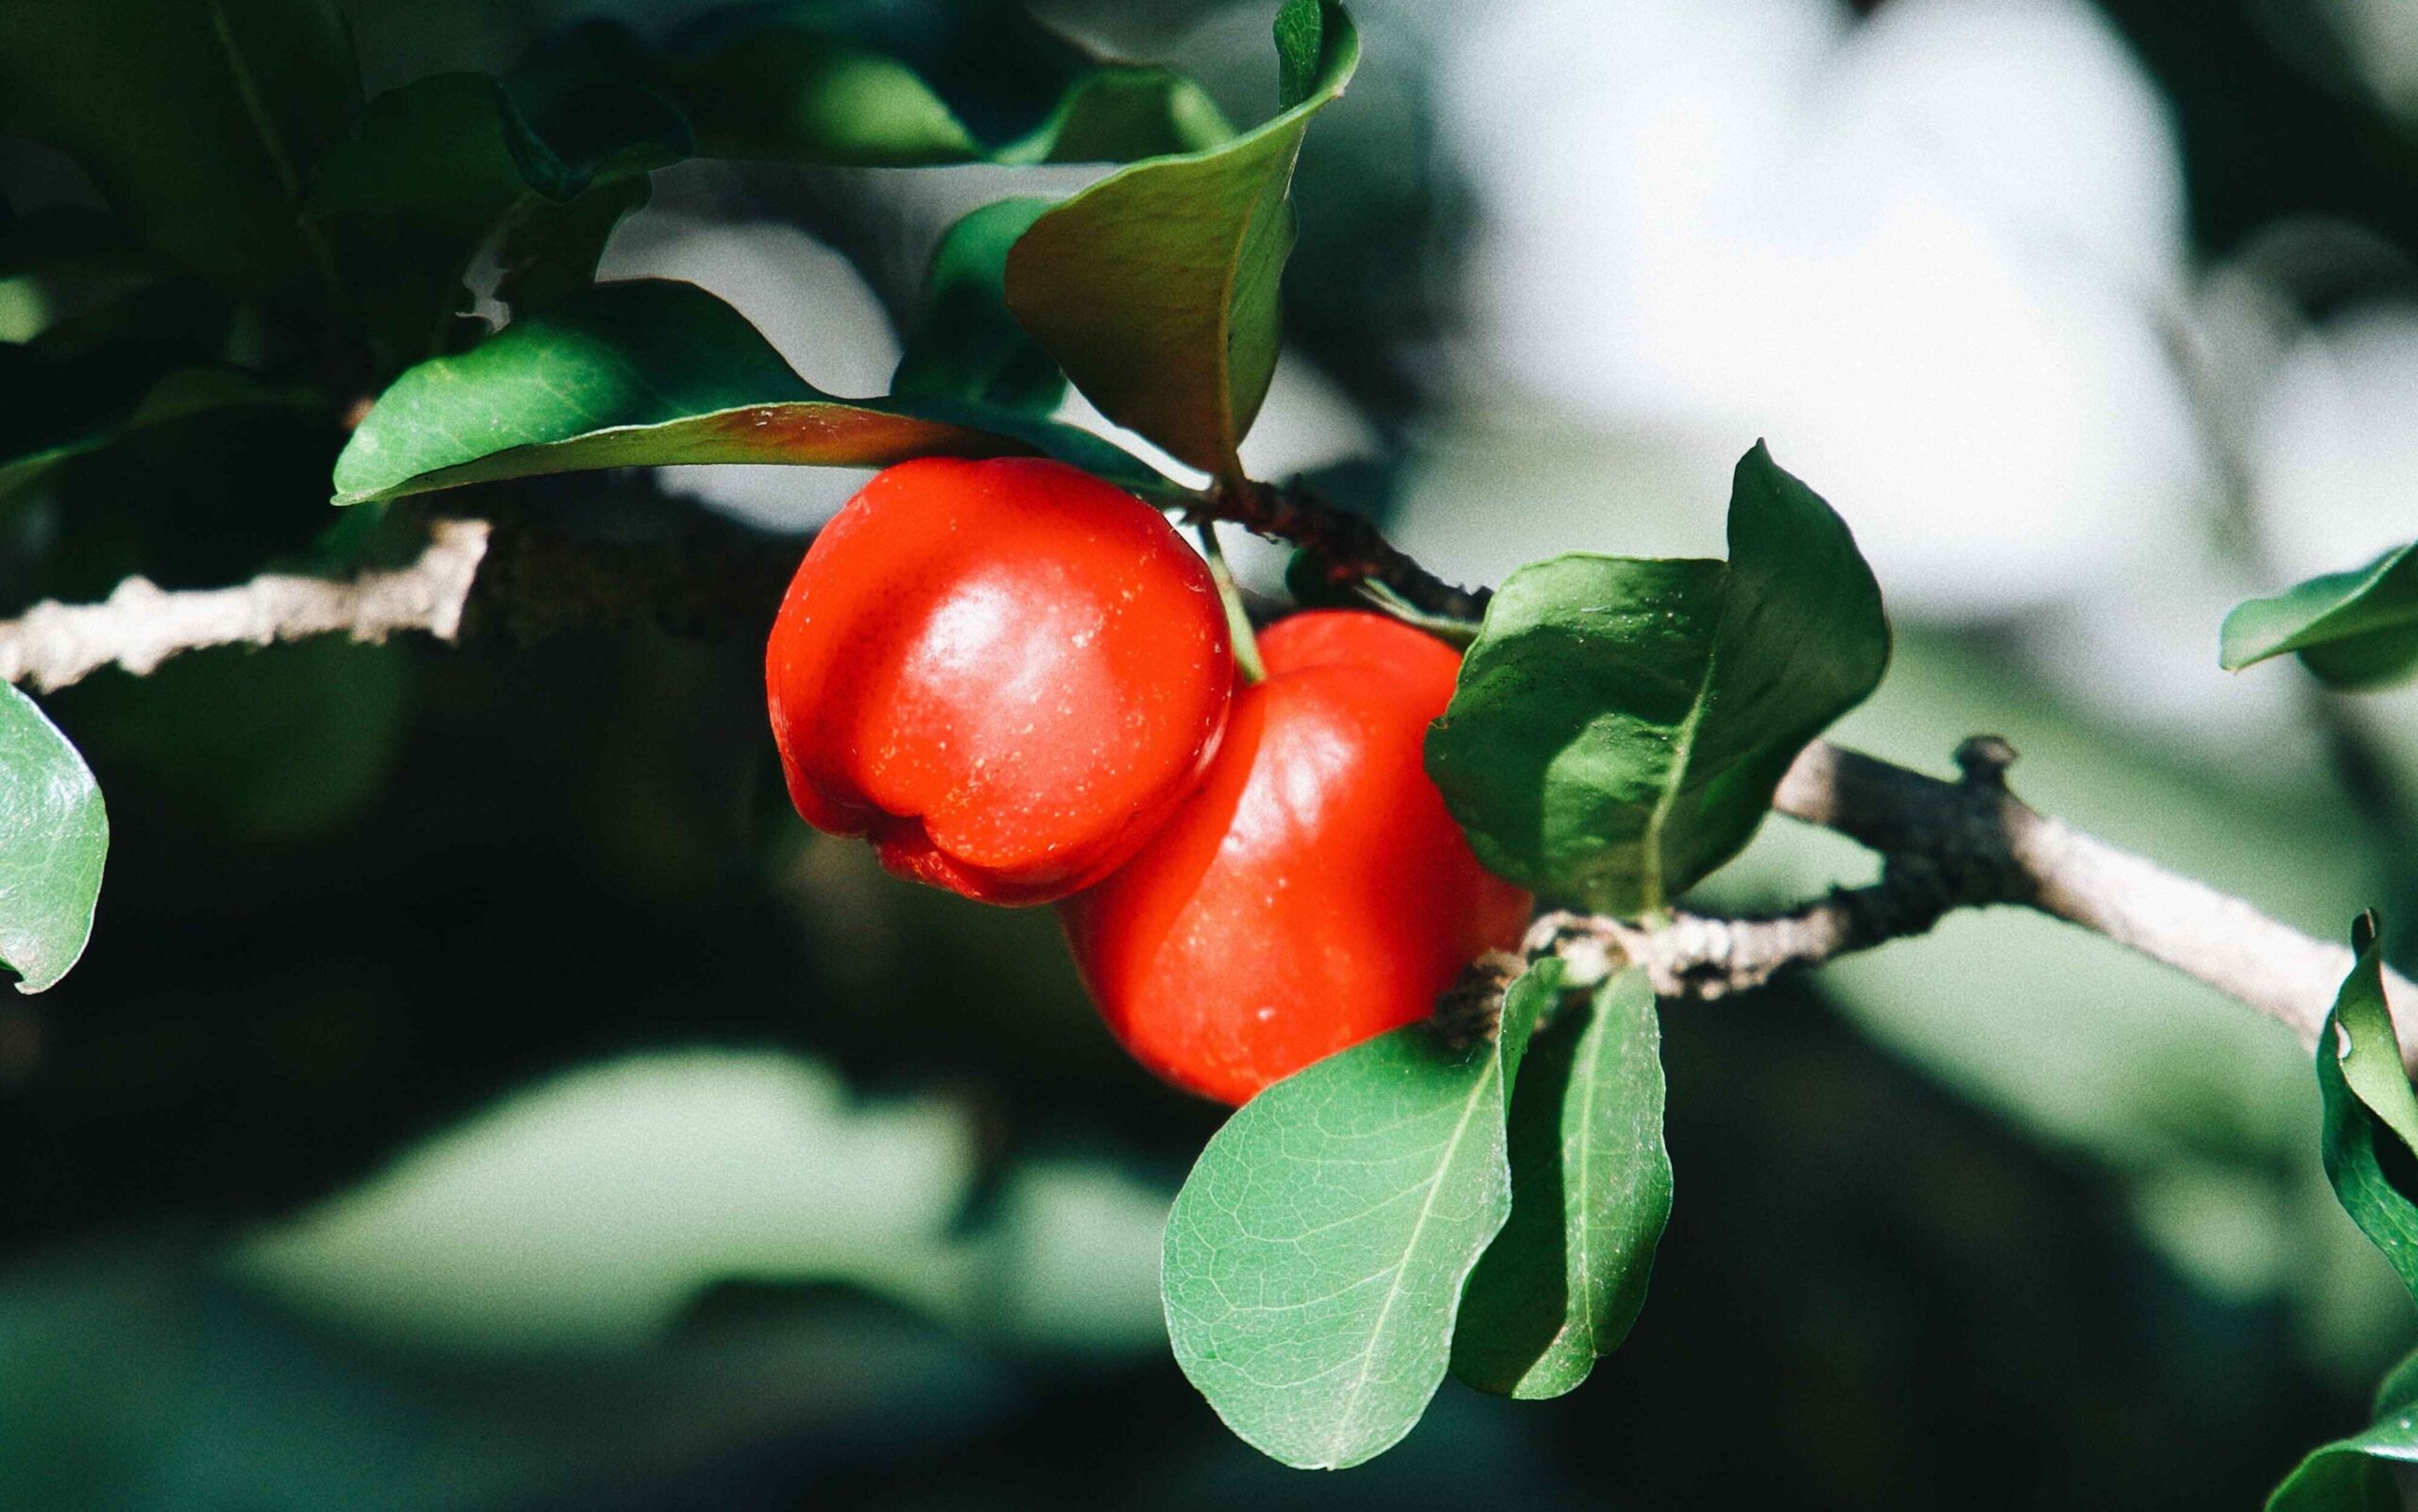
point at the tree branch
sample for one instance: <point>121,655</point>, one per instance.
<point>1349,548</point>
<point>1971,844</point>
<point>142,624</point>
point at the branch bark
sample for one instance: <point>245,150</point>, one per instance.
<point>142,624</point>
<point>1946,845</point>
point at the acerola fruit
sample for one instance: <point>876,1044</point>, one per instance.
<point>1004,675</point>
<point>1314,892</point>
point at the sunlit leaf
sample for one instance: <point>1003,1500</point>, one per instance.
<point>961,343</point>
<point>1156,288</point>
<point>1591,1191</point>
<point>1316,1255</point>
<point>54,837</point>
<point>200,123</point>
<point>652,372</point>
<point>2369,1141</point>
<point>2353,1474</point>
<point>2352,629</point>
<point>1621,723</point>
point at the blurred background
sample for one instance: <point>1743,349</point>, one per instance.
<point>481,1092</point>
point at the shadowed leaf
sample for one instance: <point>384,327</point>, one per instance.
<point>1591,1191</point>
<point>198,121</point>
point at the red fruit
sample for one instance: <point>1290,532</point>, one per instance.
<point>1313,891</point>
<point>1004,675</point>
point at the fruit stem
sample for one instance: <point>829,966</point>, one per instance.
<point>1237,620</point>
<point>1458,633</point>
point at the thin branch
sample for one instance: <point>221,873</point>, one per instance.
<point>142,624</point>
<point>1346,545</point>
<point>1971,844</point>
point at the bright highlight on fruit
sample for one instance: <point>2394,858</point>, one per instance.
<point>1004,675</point>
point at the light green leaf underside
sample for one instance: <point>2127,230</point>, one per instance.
<point>54,837</point>
<point>1315,1256</point>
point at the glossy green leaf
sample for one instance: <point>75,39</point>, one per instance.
<point>652,372</point>
<point>1315,1256</point>
<point>961,343</point>
<point>1156,288</point>
<point>2353,1474</point>
<point>54,837</point>
<point>198,121</point>
<point>834,82</point>
<point>2369,1138</point>
<point>1621,723</point>
<point>1591,1191</point>
<point>430,172</point>
<point>2352,629</point>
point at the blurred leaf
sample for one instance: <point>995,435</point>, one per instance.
<point>54,837</point>
<point>82,406</point>
<point>1621,723</point>
<point>652,372</point>
<point>591,1208</point>
<point>1591,1191</point>
<point>2371,1116</point>
<point>2352,1475</point>
<point>198,121</point>
<point>430,172</point>
<point>58,239</point>
<point>1156,288</point>
<point>1315,1256</point>
<point>963,343</point>
<point>2354,630</point>
<point>282,743</point>
<point>866,85</point>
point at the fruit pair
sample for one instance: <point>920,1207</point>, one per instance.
<point>1016,682</point>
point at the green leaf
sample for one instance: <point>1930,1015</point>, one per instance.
<point>653,372</point>
<point>2353,1474</point>
<point>197,119</point>
<point>72,240</point>
<point>1621,723</point>
<point>868,86</point>
<point>430,172</point>
<point>85,400</point>
<point>2370,1134</point>
<point>1591,1191</point>
<point>961,343</point>
<point>1315,1256</point>
<point>1156,288</point>
<point>54,836</point>
<point>2354,630</point>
